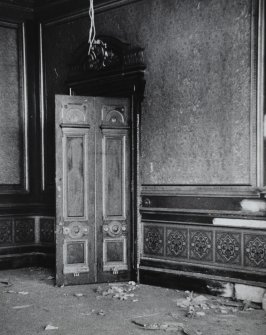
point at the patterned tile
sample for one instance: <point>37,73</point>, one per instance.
<point>153,240</point>
<point>24,230</point>
<point>255,250</point>
<point>201,245</point>
<point>228,247</point>
<point>47,230</point>
<point>177,242</point>
<point>5,231</point>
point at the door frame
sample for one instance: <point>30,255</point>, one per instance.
<point>117,72</point>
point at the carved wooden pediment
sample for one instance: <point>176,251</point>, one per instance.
<point>108,55</point>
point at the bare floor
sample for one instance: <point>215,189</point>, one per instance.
<point>30,304</point>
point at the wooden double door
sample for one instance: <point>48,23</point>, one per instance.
<point>93,190</point>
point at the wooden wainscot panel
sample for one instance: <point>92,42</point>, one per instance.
<point>6,231</point>
<point>47,230</point>
<point>215,251</point>
<point>25,230</point>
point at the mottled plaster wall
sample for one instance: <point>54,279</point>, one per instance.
<point>196,113</point>
<point>10,107</point>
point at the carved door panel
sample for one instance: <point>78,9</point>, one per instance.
<point>113,189</point>
<point>92,189</point>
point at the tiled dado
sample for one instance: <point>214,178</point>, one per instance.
<point>237,248</point>
<point>22,230</point>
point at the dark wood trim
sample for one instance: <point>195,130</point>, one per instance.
<point>72,125</point>
<point>186,281</point>
<point>27,259</point>
<point>192,270</point>
<point>66,10</point>
<point>16,11</point>
<point>12,209</point>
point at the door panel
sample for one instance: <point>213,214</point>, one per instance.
<point>75,165</point>
<point>114,163</point>
<point>114,176</point>
<point>92,189</point>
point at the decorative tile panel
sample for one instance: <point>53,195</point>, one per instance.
<point>24,230</point>
<point>228,247</point>
<point>201,245</point>
<point>255,250</point>
<point>177,242</point>
<point>237,250</point>
<point>153,240</point>
<point>5,231</point>
<point>47,230</point>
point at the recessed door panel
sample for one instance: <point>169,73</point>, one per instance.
<point>114,175</point>
<point>75,179</point>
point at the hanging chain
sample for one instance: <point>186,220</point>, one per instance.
<point>92,32</point>
<point>96,47</point>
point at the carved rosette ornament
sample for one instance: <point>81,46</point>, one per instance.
<point>114,228</point>
<point>256,251</point>
<point>153,240</point>
<point>228,247</point>
<point>6,231</point>
<point>76,230</point>
<point>176,243</point>
<point>201,244</point>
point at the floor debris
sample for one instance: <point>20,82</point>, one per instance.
<point>166,326</point>
<point>15,292</point>
<point>78,295</point>
<point>5,283</point>
<point>195,305</point>
<point>51,327</point>
<point>118,291</point>
<point>89,313</point>
<point>22,306</point>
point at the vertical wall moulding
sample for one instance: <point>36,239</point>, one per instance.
<point>261,178</point>
<point>42,107</point>
<point>26,117</point>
